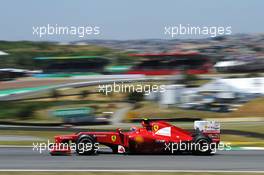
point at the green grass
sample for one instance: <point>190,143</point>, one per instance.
<point>236,140</point>
<point>22,52</point>
<point>256,127</point>
<point>32,111</point>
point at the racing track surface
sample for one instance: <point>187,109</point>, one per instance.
<point>25,158</point>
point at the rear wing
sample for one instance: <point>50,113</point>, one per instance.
<point>207,127</point>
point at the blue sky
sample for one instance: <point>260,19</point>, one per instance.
<point>127,19</point>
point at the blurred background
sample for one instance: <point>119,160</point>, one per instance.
<point>50,86</point>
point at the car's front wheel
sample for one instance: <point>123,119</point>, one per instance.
<point>85,145</point>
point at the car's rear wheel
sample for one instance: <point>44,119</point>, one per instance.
<point>202,145</point>
<point>85,145</point>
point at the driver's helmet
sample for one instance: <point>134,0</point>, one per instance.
<point>133,129</point>
<point>145,123</point>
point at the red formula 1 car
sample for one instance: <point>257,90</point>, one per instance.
<point>154,137</point>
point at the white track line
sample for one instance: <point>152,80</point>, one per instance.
<point>130,170</point>
<point>15,146</point>
<point>252,148</point>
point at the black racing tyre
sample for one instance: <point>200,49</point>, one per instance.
<point>85,145</point>
<point>114,149</point>
<point>202,145</point>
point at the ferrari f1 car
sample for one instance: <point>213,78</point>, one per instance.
<point>154,137</point>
